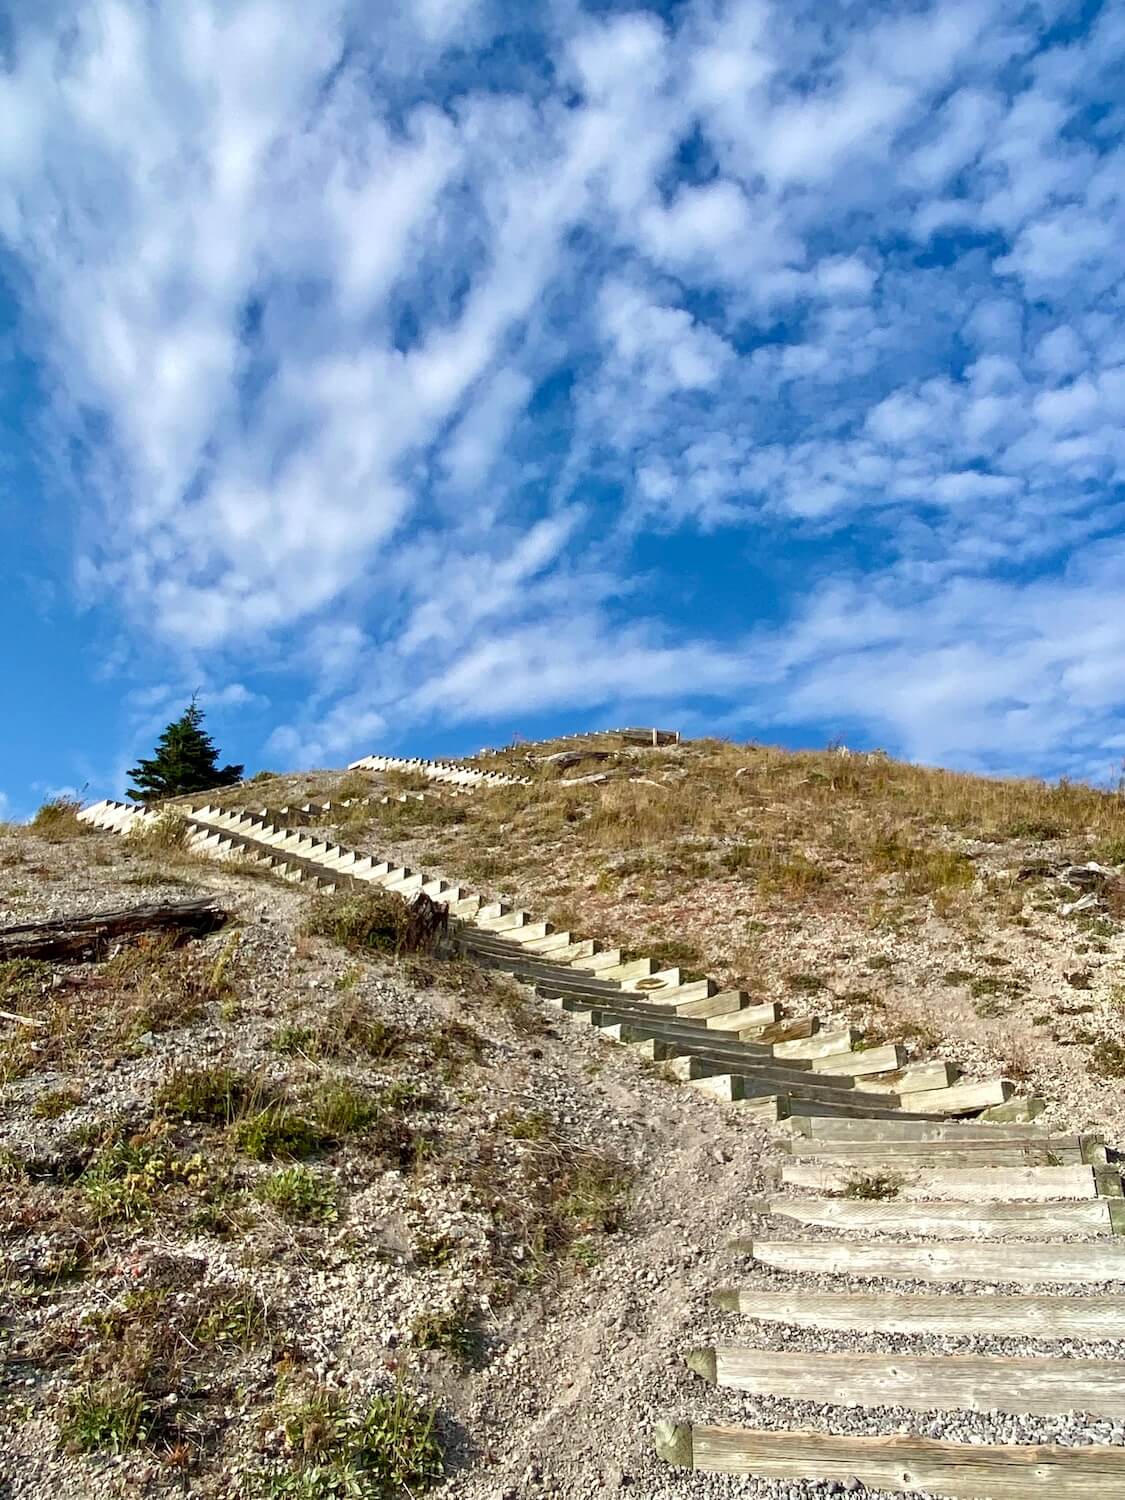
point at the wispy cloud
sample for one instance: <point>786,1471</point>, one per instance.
<point>385,351</point>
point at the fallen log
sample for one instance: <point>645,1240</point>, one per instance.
<point>78,938</point>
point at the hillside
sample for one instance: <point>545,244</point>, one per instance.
<point>907,902</point>
<point>249,1182</point>
<point>287,1215</point>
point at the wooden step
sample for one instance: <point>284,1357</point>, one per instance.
<point>910,1465</point>
<point>969,1184</point>
<point>920,1382</point>
<point>965,1098</point>
<point>821,1044</point>
<point>952,1154</point>
<point>935,1130</point>
<point>753,1082</point>
<point>747,1013</point>
<point>1037,1317</point>
<point>918,1077</point>
<point>885,1059</point>
<point>960,1260</point>
<point>956,1220</point>
<point>659,1024</point>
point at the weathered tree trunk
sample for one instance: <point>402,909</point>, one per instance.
<point>87,937</point>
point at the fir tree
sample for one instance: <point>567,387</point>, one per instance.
<point>184,761</point>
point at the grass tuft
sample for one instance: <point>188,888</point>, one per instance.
<point>450,1330</point>
<point>300,1196</point>
<point>214,1095</point>
<point>57,820</point>
<point>873,1185</point>
<point>383,1449</point>
<point>370,921</point>
<point>107,1416</point>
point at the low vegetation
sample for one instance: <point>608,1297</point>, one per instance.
<point>369,921</point>
<point>57,820</point>
<point>333,1448</point>
<point>300,1196</point>
<point>875,1186</point>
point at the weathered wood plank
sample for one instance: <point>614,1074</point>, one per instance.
<point>885,1059</point>
<point>89,935</point>
<point>742,1019</point>
<point>968,1184</point>
<point>917,1077</point>
<point>939,1153</point>
<point>903,1465</point>
<point>961,1260</point>
<point>822,1044</point>
<point>931,1130</point>
<point>954,1157</point>
<point>920,1382</point>
<point>955,1220</point>
<point>964,1098</point>
<point>1059,1317</point>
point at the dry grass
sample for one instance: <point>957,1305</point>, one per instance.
<point>783,834</point>
<point>57,820</point>
<point>150,985</point>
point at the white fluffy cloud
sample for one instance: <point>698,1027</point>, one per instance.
<point>376,348</point>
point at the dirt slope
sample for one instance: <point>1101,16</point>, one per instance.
<point>199,1297</point>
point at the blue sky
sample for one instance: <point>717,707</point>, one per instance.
<point>452,369</point>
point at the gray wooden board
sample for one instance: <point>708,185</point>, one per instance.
<point>903,1465</point>
<point>889,1216</point>
<point>1059,1317</point>
<point>962,1260</point>
<point>1034,1153</point>
<point>969,1184</point>
<point>936,1130</point>
<point>924,1382</point>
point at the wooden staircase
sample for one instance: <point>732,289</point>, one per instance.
<point>924,1203</point>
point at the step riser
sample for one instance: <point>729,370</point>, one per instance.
<point>1091,1318</point>
<point>957,1471</point>
<point>985,1185</point>
<point>953,1221</point>
<point>1068,1265</point>
<point>1043,1387</point>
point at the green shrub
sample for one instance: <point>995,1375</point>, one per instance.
<point>370,921</point>
<point>300,1196</point>
<point>280,1132</point>
<point>55,1102</point>
<point>231,1319</point>
<point>108,1415</point>
<point>166,833</point>
<point>341,1109</point>
<point>23,980</point>
<point>386,1449</point>
<point>126,1180</point>
<point>877,1185</point>
<point>452,1331</point>
<point>293,1041</point>
<point>215,1094</point>
<point>1107,1058</point>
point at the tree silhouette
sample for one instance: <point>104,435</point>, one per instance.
<point>184,761</point>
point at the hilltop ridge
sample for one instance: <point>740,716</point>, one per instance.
<point>902,900</point>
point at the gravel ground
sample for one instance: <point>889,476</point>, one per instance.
<point>576,1371</point>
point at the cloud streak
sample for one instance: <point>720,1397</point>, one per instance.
<point>384,354</point>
